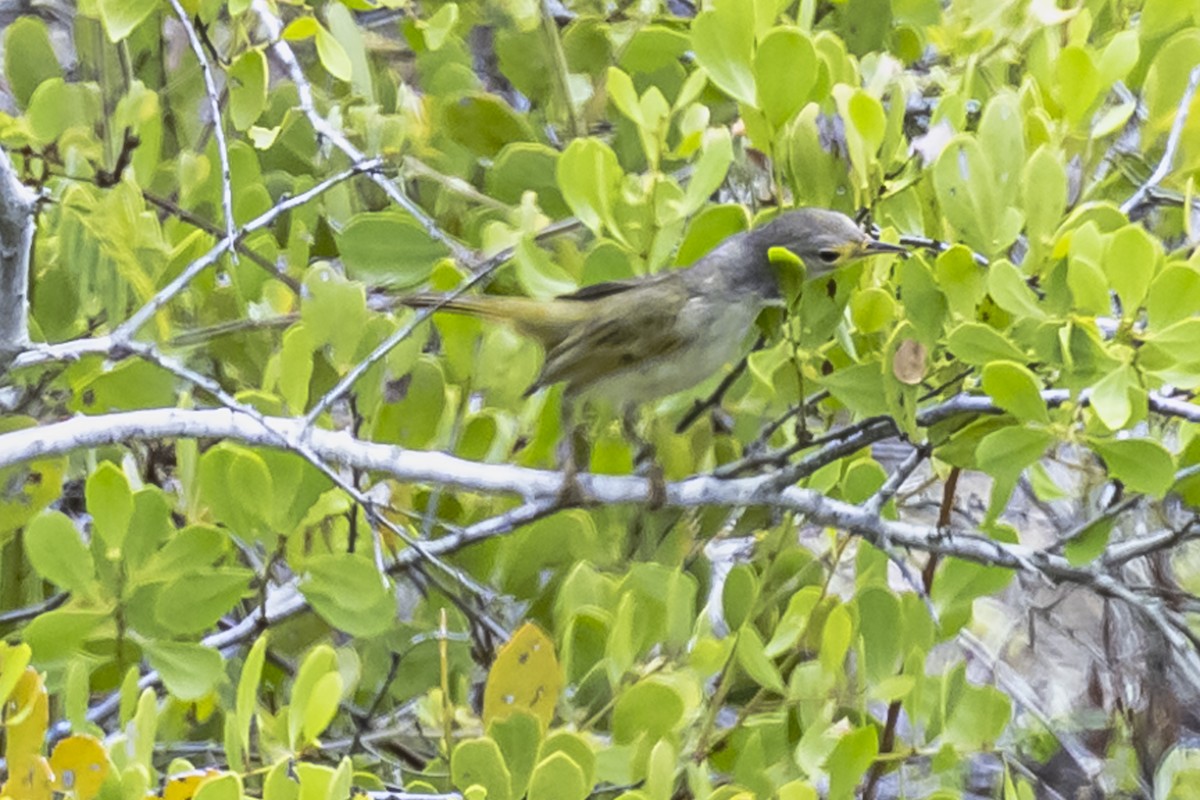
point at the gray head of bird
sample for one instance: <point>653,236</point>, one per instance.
<point>824,240</point>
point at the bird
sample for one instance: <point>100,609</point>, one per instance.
<point>635,340</point>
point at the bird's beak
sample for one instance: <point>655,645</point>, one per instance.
<point>874,247</point>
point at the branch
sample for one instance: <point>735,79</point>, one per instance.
<point>1168,157</point>
<point>541,487</point>
<point>69,351</point>
<point>282,51</point>
<point>214,105</point>
<point>18,204</point>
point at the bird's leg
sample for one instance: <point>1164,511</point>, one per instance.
<point>645,459</point>
<point>570,493</point>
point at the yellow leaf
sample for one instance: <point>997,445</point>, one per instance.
<point>80,765</point>
<point>26,715</point>
<point>524,677</point>
<point>29,779</point>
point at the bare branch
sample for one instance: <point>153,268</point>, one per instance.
<point>1173,139</point>
<point>282,51</point>
<point>18,204</point>
<point>214,105</point>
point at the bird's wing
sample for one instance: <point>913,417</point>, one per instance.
<point>628,334</point>
<point>606,289</point>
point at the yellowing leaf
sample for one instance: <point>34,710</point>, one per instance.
<point>80,765</point>
<point>908,362</point>
<point>26,716</point>
<point>524,677</point>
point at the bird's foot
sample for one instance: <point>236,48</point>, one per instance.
<point>657,497</point>
<point>570,492</point>
<point>646,464</point>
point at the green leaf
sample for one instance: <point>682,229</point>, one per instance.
<point>835,640</point>
<point>188,671</point>
<point>872,310</point>
<point>537,273</point>
<point>881,626</point>
<point>589,178</point>
<point>527,166</point>
<point>624,96</point>
<point>574,746</point>
<point>348,592</point>
<point>739,595</point>
<point>247,88</point>
<point>1007,286</point>
<point>57,552</point>
<point>785,70</point>
<point>1141,464</point>
<point>1110,397</point>
<point>709,171</point>
<point>794,622</point>
<point>220,787</point>
<point>440,25</point>
<point>236,484</point>
<point>558,778</point>
<point>978,345</point>
<point>57,634</point>
<point>752,658</point>
<point>1015,389</point>
<point>1173,295</point>
<point>518,736</point>
<point>966,193</point>
<point>485,124</point>
<point>649,708</point>
<point>1167,78</point>
<point>1002,137</point>
<point>660,771</point>
<point>978,718</point>
<point>1004,453</point>
<point>319,662</point>
<point>333,55</point>
<point>1077,82</point>
<point>120,17</point>
<point>247,688</point>
<point>478,762</point>
<point>850,758</point>
<point>389,248</point>
<point>1087,545</point>
<point>723,41</point>
<point>322,705</point>
<point>1119,57</point>
<point>56,107</point>
<point>110,502</point>
<point>29,57</point>
<point>924,304</point>
<point>1131,262</point>
<point>194,602</point>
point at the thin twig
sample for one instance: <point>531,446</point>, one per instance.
<point>714,399</point>
<point>1173,139</point>
<point>214,105</point>
<point>132,325</point>
<point>282,51</point>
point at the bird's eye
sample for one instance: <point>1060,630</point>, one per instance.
<point>829,256</point>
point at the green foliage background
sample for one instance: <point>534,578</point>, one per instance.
<point>1019,131</point>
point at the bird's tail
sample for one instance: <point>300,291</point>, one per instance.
<point>541,320</point>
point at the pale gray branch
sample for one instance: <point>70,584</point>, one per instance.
<point>18,204</point>
<point>1173,138</point>
<point>214,105</point>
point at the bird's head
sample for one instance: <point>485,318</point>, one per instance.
<point>824,240</point>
